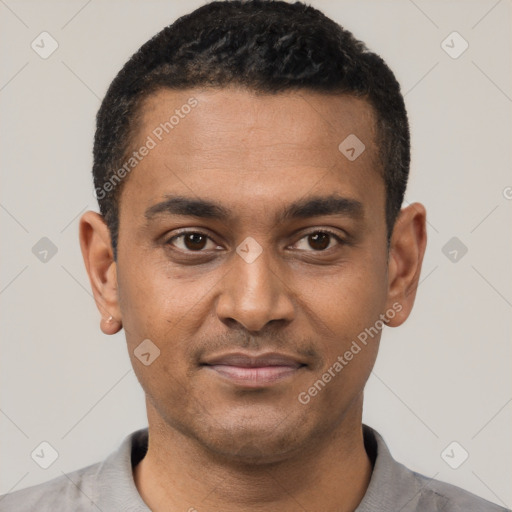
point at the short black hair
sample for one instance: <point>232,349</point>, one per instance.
<point>267,46</point>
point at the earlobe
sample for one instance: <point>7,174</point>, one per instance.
<point>408,244</point>
<point>99,262</point>
<point>110,325</point>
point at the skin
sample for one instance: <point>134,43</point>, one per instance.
<point>214,445</point>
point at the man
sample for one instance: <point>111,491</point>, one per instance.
<point>250,163</point>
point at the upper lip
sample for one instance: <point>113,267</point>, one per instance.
<point>246,360</point>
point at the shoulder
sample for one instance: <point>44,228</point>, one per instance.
<point>107,485</point>
<point>449,498</point>
<point>395,487</point>
<point>73,491</point>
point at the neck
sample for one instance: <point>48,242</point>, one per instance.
<point>330,474</point>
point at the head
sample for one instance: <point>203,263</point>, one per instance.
<point>250,163</point>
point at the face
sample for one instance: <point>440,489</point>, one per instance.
<point>252,254</point>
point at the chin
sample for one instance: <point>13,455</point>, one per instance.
<point>257,452</point>
<point>253,441</point>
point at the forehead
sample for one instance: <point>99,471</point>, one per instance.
<point>302,123</point>
<point>241,147</point>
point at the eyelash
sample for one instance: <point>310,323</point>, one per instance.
<point>338,239</point>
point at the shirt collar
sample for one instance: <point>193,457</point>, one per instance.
<point>392,486</point>
<point>116,489</point>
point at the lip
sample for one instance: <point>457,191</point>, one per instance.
<point>254,370</point>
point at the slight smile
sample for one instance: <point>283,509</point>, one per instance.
<point>254,371</point>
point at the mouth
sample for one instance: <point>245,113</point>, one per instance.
<point>253,371</point>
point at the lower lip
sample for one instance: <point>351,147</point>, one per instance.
<point>254,377</point>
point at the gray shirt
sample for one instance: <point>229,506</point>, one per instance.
<point>108,486</point>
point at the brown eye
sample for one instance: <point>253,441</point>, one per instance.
<point>318,241</point>
<point>191,241</point>
<point>194,241</point>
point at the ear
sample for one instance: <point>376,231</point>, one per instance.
<point>407,248</point>
<point>98,255</point>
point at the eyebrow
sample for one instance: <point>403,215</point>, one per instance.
<point>304,208</point>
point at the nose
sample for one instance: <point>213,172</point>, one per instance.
<point>254,293</point>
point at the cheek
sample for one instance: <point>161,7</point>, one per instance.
<point>168,310</point>
<point>350,299</point>
<point>156,301</point>
<point>343,309</point>
<point>346,309</point>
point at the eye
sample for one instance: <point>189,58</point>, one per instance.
<point>191,241</point>
<point>319,240</point>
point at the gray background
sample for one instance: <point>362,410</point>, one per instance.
<point>444,376</point>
